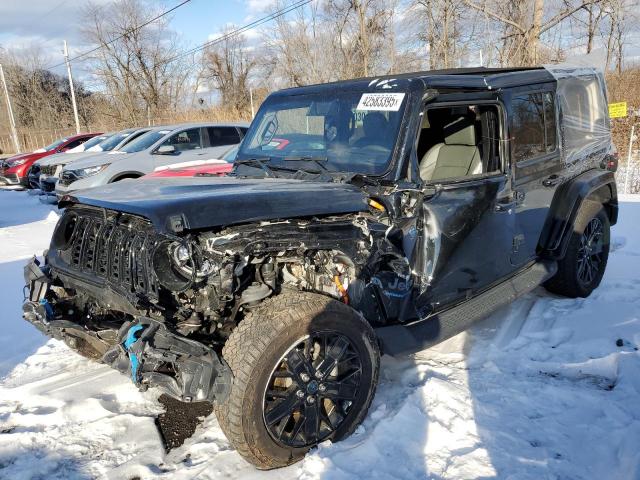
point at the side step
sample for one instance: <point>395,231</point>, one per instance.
<point>422,334</point>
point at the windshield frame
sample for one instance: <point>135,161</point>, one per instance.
<point>327,91</point>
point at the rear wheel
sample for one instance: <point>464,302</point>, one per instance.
<point>305,370</point>
<point>581,270</point>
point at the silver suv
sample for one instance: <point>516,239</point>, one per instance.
<point>51,167</point>
<point>160,146</point>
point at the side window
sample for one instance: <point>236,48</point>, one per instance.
<point>533,125</point>
<point>243,131</point>
<point>459,142</point>
<point>185,140</point>
<point>220,136</point>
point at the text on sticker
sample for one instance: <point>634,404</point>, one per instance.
<point>389,102</point>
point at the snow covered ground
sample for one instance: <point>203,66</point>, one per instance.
<point>538,391</point>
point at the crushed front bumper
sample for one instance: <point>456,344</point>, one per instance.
<point>144,348</point>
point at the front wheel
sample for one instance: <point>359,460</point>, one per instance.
<point>305,370</point>
<point>582,268</point>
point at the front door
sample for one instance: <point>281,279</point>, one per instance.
<point>468,223</point>
<point>187,146</point>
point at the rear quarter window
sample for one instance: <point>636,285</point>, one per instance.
<point>533,125</point>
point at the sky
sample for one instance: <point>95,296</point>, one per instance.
<point>46,23</point>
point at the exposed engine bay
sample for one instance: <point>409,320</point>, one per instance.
<point>108,272</point>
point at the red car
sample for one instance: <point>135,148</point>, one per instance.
<point>204,168</point>
<point>15,170</point>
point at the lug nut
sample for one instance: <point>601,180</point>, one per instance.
<point>304,377</point>
<point>322,387</point>
<point>300,393</point>
<point>310,399</point>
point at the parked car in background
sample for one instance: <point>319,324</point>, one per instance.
<point>34,172</point>
<point>198,168</point>
<point>15,170</point>
<point>51,167</point>
<point>159,147</point>
<point>91,145</point>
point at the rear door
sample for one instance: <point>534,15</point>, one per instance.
<point>535,155</point>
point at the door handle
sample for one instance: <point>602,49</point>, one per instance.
<point>552,180</point>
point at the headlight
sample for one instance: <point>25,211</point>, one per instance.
<point>173,263</point>
<point>183,259</point>
<point>15,163</point>
<point>89,171</point>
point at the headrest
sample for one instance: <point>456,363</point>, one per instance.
<point>460,132</point>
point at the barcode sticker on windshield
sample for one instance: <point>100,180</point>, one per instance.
<point>388,102</point>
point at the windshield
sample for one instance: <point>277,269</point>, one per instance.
<point>352,131</point>
<point>145,141</point>
<point>113,141</point>
<point>92,142</point>
<point>54,145</point>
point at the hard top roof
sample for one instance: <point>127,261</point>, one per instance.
<point>479,77</point>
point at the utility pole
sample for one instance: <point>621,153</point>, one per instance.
<point>253,113</point>
<point>73,92</point>
<point>12,120</point>
<point>626,177</point>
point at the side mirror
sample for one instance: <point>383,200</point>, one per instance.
<point>166,150</point>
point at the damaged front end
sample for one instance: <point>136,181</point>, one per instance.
<point>142,348</point>
<point>160,306</point>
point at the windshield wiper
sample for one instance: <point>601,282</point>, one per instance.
<point>320,161</point>
<point>257,163</point>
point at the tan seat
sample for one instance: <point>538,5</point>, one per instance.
<point>458,156</point>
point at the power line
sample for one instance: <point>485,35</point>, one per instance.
<point>131,30</point>
<point>272,16</point>
<point>245,28</point>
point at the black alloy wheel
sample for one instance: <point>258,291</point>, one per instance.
<point>590,251</point>
<point>312,389</point>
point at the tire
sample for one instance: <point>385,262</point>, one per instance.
<point>272,335</point>
<point>572,279</point>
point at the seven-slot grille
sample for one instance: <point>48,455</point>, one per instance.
<point>118,252</point>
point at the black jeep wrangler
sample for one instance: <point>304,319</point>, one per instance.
<point>364,217</point>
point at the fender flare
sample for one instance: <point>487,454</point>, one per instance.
<point>597,185</point>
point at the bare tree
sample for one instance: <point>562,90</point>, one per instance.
<point>524,23</point>
<point>442,30</point>
<point>363,27</point>
<point>296,48</point>
<point>622,16</point>
<point>135,63</point>
<point>228,65</point>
